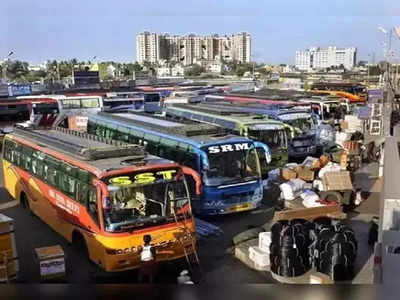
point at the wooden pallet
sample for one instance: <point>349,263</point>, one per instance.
<point>308,213</point>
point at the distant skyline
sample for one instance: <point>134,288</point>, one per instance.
<point>41,30</point>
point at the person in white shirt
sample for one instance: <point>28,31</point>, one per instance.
<point>148,266</point>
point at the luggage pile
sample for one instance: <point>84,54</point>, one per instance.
<point>334,249</point>
<point>298,245</point>
<point>290,241</point>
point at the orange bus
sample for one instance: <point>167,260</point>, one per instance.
<point>101,195</point>
<point>355,93</point>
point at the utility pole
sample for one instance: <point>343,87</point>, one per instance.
<point>5,65</point>
<point>368,70</point>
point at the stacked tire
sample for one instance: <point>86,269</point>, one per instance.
<point>334,249</point>
<point>289,249</point>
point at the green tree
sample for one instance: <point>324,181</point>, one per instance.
<point>194,70</point>
<point>243,68</point>
<point>17,70</point>
<point>375,71</point>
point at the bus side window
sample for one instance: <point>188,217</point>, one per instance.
<point>16,155</point>
<point>27,158</point>
<point>52,176</point>
<point>92,204</point>
<point>263,163</point>
<point>82,193</point>
<point>67,184</point>
<point>34,165</point>
<point>189,160</point>
<point>8,150</point>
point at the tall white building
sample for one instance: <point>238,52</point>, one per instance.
<point>192,48</point>
<point>319,58</point>
<point>147,47</point>
<point>242,47</point>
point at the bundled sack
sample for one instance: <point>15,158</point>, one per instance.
<point>318,185</point>
<point>310,199</point>
<point>311,162</point>
<point>291,188</point>
<point>274,175</point>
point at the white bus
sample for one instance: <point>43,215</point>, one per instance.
<point>57,113</point>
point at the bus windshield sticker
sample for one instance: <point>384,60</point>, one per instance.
<point>228,148</point>
<point>142,178</point>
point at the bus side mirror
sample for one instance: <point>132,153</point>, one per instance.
<point>196,177</point>
<point>264,175</point>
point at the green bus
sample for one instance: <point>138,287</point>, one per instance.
<point>260,128</point>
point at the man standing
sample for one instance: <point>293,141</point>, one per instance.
<point>148,260</point>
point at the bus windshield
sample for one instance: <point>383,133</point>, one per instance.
<point>275,139</point>
<point>335,111</point>
<point>229,166</point>
<point>302,125</point>
<point>141,205</point>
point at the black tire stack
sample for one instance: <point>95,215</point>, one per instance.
<point>334,249</point>
<point>290,242</point>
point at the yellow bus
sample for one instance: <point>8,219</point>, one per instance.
<point>101,195</point>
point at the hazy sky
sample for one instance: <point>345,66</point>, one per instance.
<point>59,29</point>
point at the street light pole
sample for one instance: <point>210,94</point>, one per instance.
<point>5,65</point>
<point>368,70</point>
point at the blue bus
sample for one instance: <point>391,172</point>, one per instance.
<point>230,166</point>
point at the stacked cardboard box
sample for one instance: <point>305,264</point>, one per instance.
<point>305,173</point>
<point>51,262</point>
<point>353,123</point>
<point>288,173</point>
<point>337,181</point>
<point>352,147</point>
<point>9,265</point>
<point>260,255</point>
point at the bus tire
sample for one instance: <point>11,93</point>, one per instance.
<point>79,243</point>
<point>23,198</point>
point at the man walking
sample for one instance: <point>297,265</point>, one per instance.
<point>148,260</point>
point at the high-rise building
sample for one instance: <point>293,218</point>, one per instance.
<point>192,48</point>
<point>147,47</point>
<point>319,58</point>
<point>242,47</point>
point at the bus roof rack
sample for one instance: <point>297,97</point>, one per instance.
<point>85,146</point>
<point>185,129</point>
<point>213,110</point>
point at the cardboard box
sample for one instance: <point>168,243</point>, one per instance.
<point>306,213</point>
<point>305,174</point>
<point>9,264</point>
<point>323,160</point>
<point>344,125</point>
<point>343,160</point>
<point>288,174</point>
<point>337,155</point>
<point>264,241</point>
<point>353,147</point>
<point>334,181</point>
<point>51,262</point>
<point>312,163</point>
<point>258,256</point>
